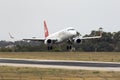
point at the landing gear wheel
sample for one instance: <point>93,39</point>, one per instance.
<point>49,47</point>
<point>69,47</point>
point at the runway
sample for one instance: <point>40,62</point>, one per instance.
<point>61,64</point>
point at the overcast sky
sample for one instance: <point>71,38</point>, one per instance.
<point>24,18</point>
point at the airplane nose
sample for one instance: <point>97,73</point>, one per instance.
<point>75,33</point>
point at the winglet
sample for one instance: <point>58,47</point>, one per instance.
<point>46,29</point>
<point>100,29</point>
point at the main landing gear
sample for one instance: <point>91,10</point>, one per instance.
<point>49,47</point>
<point>69,47</point>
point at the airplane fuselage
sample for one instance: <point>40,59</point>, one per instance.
<point>63,35</point>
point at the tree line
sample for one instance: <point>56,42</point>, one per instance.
<point>110,42</point>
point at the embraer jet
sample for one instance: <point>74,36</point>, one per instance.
<point>68,35</point>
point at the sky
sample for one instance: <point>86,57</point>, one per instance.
<point>24,18</point>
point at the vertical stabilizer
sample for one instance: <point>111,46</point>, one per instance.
<point>11,36</point>
<point>46,29</point>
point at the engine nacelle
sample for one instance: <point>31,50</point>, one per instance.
<point>77,41</point>
<point>48,41</point>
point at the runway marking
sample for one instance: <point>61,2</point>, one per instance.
<point>61,64</point>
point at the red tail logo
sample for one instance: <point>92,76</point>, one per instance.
<point>46,29</point>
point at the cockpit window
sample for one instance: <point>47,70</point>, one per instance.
<point>70,29</point>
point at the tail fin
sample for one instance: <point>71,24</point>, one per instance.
<point>46,29</point>
<point>11,36</point>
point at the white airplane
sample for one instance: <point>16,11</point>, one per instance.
<point>68,35</point>
<point>11,36</point>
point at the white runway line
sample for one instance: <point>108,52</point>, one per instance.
<point>60,60</point>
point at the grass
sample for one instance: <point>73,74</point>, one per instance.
<point>17,73</point>
<point>80,56</point>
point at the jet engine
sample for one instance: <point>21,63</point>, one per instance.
<point>48,42</point>
<point>77,41</point>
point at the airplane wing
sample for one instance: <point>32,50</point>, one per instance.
<point>42,40</point>
<point>95,37</point>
